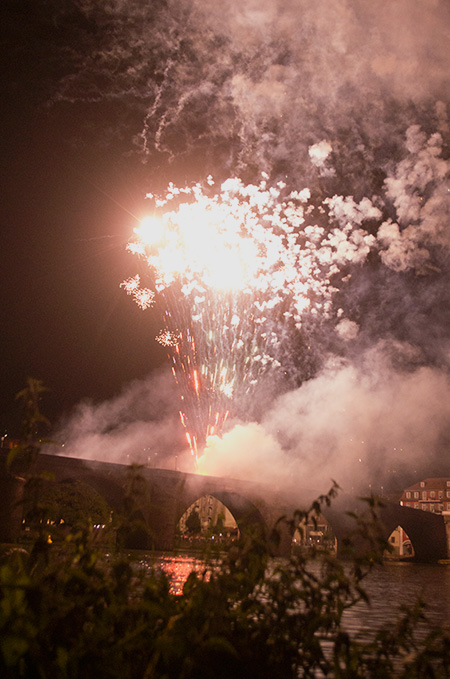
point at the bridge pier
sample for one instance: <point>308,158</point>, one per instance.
<point>446,516</point>
<point>162,515</point>
<point>11,494</point>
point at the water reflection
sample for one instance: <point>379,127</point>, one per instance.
<point>389,587</point>
<point>177,567</point>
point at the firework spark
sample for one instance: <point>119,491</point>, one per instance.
<point>231,268</point>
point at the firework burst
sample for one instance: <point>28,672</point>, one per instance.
<point>230,268</point>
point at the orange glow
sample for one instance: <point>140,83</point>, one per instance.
<point>196,383</point>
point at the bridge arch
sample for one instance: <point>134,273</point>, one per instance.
<point>246,515</point>
<point>134,531</point>
<point>425,530</point>
<point>400,545</point>
<point>111,492</point>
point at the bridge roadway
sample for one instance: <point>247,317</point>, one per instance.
<point>160,497</point>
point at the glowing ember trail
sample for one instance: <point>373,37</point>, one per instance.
<point>230,270</point>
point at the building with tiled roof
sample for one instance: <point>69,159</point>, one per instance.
<point>430,495</point>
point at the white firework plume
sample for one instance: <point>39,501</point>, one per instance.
<point>232,268</point>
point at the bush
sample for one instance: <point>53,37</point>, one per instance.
<point>69,502</point>
<point>73,612</point>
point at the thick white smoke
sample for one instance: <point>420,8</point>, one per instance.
<point>362,425</point>
<point>140,425</point>
<point>419,188</point>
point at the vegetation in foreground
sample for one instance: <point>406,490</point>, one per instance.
<point>68,610</point>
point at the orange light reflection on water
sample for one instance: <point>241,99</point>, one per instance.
<point>178,568</point>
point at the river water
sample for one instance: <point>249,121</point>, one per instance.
<point>398,584</point>
<point>389,586</point>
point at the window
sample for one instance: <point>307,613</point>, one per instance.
<point>424,507</point>
<point>448,506</point>
<point>416,505</point>
<point>448,493</point>
<point>441,494</point>
<point>432,493</point>
<point>422,484</point>
<point>408,493</point>
<point>424,495</point>
<point>417,495</point>
<point>448,484</point>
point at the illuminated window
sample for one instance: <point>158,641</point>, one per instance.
<point>432,493</point>
<point>448,493</point>
<point>424,507</point>
<point>424,495</point>
<point>408,493</point>
<point>422,484</point>
<point>416,505</point>
<point>417,495</point>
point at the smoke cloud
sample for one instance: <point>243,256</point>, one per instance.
<point>346,103</point>
<point>255,84</point>
<point>140,425</point>
<point>362,425</point>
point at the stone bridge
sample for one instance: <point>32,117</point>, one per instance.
<point>162,496</point>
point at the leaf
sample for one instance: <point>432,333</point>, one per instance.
<point>13,648</point>
<point>13,453</point>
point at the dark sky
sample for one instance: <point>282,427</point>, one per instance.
<point>103,102</point>
<point>67,210</point>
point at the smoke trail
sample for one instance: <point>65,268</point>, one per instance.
<point>253,85</point>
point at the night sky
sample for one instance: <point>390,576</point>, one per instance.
<point>103,103</point>
<point>67,210</point>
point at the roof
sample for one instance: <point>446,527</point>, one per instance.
<point>434,483</point>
